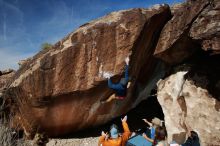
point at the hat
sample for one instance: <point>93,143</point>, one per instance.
<point>123,81</point>
<point>114,131</point>
<point>156,121</point>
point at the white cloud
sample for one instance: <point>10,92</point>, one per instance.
<point>10,59</point>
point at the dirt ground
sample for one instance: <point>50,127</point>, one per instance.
<point>91,141</point>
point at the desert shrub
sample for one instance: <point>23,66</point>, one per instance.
<point>46,46</point>
<point>6,137</point>
<point>9,136</point>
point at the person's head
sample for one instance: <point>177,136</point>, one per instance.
<point>114,131</point>
<point>156,121</point>
<point>194,135</point>
<point>160,133</point>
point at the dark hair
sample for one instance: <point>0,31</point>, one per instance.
<point>194,135</point>
<point>193,139</point>
<point>160,134</point>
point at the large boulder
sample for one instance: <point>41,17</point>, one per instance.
<point>59,90</point>
<point>195,23</point>
<point>24,61</point>
<point>190,100</point>
<point>5,76</point>
<point>206,27</point>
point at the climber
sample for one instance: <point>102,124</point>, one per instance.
<point>115,138</point>
<point>156,122</point>
<point>120,88</point>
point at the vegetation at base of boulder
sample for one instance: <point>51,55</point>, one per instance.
<point>40,139</point>
<point>9,136</point>
<point>46,46</point>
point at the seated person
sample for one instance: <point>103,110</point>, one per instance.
<point>192,140</point>
<point>160,137</point>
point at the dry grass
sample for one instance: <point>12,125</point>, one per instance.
<point>9,106</point>
<point>8,136</point>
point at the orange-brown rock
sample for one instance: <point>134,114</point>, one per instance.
<point>190,28</point>
<point>23,61</point>
<point>59,90</point>
<point>5,76</point>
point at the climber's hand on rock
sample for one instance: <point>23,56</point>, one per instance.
<point>127,60</point>
<point>124,119</point>
<point>107,75</point>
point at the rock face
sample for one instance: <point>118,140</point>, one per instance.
<point>191,101</point>
<point>23,61</point>
<point>59,90</point>
<point>194,24</point>
<point>91,141</point>
<point>206,28</point>
<point>190,98</point>
<point>5,76</point>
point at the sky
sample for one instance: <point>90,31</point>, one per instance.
<point>26,24</point>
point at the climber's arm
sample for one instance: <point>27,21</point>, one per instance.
<point>126,68</point>
<point>126,72</point>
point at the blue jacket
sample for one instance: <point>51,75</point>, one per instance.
<point>191,142</point>
<point>119,88</point>
<point>152,133</point>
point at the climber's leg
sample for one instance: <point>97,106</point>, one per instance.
<point>112,97</point>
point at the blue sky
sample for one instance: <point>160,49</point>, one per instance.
<point>26,24</point>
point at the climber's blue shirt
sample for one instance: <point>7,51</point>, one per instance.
<point>119,88</point>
